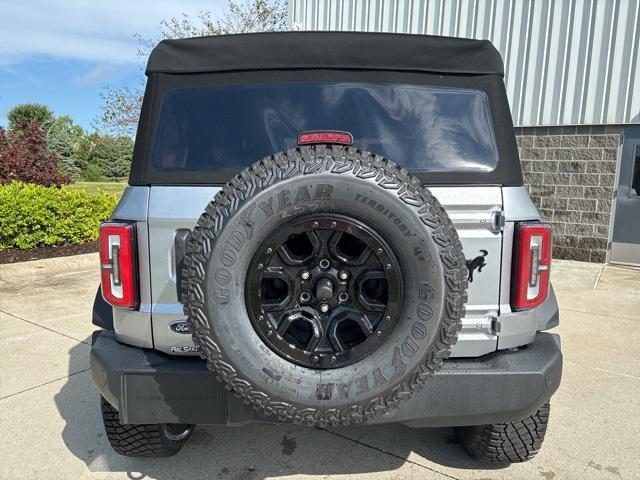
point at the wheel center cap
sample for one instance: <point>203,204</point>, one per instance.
<point>324,289</point>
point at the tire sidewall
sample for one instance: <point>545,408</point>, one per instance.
<point>399,224</point>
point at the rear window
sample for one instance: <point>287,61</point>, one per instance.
<point>226,128</point>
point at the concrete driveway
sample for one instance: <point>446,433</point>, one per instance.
<point>51,425</point>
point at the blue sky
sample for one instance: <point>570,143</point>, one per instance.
<point>63,52</point>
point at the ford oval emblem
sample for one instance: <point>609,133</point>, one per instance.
<point>180,326</point>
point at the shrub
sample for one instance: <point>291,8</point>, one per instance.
<point>23,157</point>
<point>34,215</point>
<point>92,173</point>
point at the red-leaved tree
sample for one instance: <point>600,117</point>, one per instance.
<point>23,157</point>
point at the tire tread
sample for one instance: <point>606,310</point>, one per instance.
<point>504,443</point>
<point>340,161</point>
<point>145,440</point>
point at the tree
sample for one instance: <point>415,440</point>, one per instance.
<point>105,157</point>
<point>114,156</point>
<point>63,140</point>
<point>120,110</point>
<point>23,157</point>
<point>247,17</point>
<point>22,116</point>
<point>121,107</point>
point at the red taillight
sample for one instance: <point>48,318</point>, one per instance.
<point>340,138</point>
<point>532,264</point>
<point>118,270</point>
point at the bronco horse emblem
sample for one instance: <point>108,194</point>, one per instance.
<point>477,262</point>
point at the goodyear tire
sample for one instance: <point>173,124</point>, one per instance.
<point>232,240</point>
<point>506,443</point>
<point>146,440</point>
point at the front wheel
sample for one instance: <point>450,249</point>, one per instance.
<point>503,443</point>
<point>146,440</point>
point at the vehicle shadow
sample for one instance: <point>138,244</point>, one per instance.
<point>253,451</point>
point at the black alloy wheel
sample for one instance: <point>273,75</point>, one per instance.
<point>325,291</point>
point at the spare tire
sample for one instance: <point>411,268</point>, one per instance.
<point>324,285</point>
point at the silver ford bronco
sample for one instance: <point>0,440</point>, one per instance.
<point>326,229</point>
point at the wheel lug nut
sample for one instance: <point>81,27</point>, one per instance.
<point>324,264</point>
<point>344,275</point>
<point>269,251</point>
<point>305,275</point>
<point>324,308</point>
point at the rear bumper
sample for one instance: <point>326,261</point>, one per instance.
<point>151,387</point>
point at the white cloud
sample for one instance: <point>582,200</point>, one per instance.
<point>100,31</point>
<point>96,75</point>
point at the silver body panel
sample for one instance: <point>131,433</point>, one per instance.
<point>488,325</point>
<point>518,206</point>
<point>134,327</point>
<point>133,205</point>
<point>473,211</point>
<point>517,328</point>
<point>170,209</point>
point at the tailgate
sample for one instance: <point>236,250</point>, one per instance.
<point>473,210</point>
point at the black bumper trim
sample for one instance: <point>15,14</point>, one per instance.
<point>102,312</point>
<point>151,387</point>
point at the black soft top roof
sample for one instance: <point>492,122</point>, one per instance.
<point>326,50</point>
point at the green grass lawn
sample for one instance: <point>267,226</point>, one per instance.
<point>111,187</point>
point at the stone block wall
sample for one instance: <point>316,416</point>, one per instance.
<point>570,174</point>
